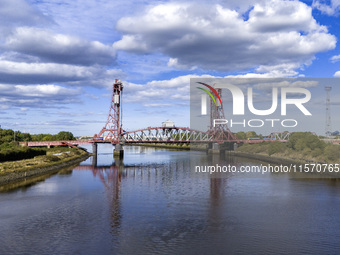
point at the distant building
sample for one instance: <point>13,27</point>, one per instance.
<point>168,123</point>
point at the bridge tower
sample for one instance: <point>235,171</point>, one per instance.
<point>220,132</point>
<point>223,138</point>
<point>113,131</point>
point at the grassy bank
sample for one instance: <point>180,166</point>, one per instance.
<point>300,147</point>
<point>55,158</point>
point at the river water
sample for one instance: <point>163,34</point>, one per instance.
<point>151,203</point>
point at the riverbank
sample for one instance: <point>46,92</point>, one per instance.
<point>53,161</point>
<point>301,168</point>
<point>270,159</point>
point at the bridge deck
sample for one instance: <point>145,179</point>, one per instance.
<point>82,142</point>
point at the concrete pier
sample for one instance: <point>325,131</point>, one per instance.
<point>94,148</point>
<point>220,148</point>
<point>118,151</point>
<point>94,152</point>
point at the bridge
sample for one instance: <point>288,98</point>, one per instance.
<point>113,132</point>
<point>161,135</point>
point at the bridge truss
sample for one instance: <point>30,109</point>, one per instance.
<point>166,135</point>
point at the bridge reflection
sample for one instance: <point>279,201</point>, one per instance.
<point>164,177</point>
<point>111,177</point>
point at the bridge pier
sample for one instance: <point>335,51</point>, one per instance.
<point>235,146</point>
<point>118,151</point>
<point>215,148</point>
<point>94,148</point>
<point>94,153</point>
<point>221,148</point>
<point>94,160</point>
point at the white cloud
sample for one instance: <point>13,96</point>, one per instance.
<point>35,73</point>
<point>335,58</point>
<point>211,37</point>
<point>44,91</point>
<point>330,8</point>
<point>19,12</point>
<point>37,96</point>
<point>161,92</point>
<point>173,62</point>
<point>32,52</point>
<point>58,48</point>
<point>337,74</point>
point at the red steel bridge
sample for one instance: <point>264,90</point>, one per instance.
<point>114,133</point>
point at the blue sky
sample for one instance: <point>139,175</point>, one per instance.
<point>58,59</point>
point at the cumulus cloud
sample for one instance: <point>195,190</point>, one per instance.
<point>335,58</point>
<point>32,52</point>
<point>30,73</point>
<point>337,74</point>
<point>37,73</point>
<point>211,37</point>
<point>331,8</point>
<point>161,92</point>
<point>19,12</point>
<point>58,48</point>
<point>37,96</point>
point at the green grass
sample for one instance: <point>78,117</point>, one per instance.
<point>53,156</point>
<point>304,146</point>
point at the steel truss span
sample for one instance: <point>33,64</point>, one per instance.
<point>166,135</point>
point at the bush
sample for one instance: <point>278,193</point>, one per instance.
<point>276,147</point>
<point>12,152</point>
<point>332,152</point>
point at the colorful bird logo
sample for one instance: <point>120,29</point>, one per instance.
<point>208,92</point>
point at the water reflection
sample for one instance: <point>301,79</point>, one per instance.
<point>111,177</point>
<point>152,203</point>
<point>24,184</point>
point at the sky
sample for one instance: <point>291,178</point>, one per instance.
<point>59,59</point>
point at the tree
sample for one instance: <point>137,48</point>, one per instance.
<point>251,134</point>
<point>301,140</point>
<point>48,138</point>
<point>241,135</point>
<point>64,135</point>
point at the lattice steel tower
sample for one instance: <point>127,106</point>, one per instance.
<point>112,130</point>
<point>328,111</point>
<point>219,132</point>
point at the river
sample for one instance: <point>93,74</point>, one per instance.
<point>152,203</point>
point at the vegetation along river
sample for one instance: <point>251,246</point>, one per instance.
<point>151,202</point>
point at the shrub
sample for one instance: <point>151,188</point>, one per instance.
<point>12,152</point>
<point>332,152</point>
<point>276,147</point>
